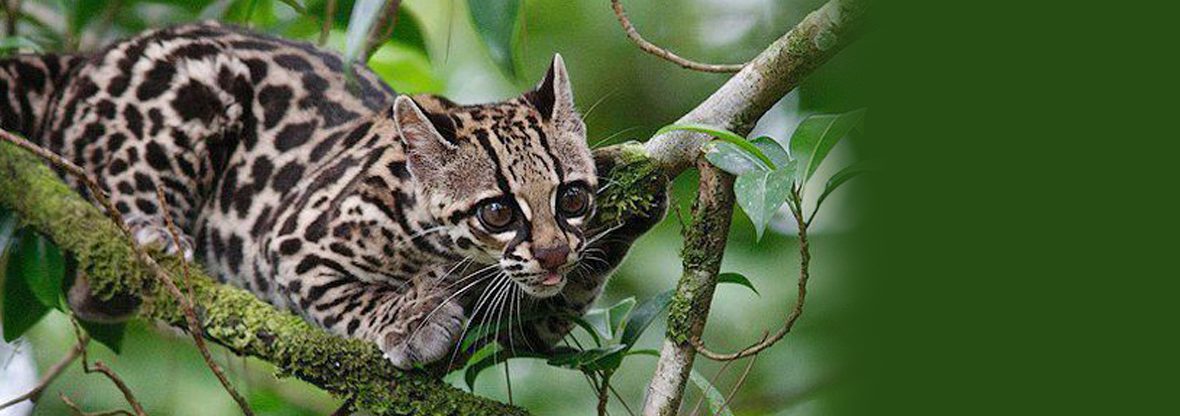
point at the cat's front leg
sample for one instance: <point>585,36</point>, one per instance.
<point>423,327</point>
<point>414,322</point>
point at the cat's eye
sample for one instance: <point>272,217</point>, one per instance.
<point>496,215</point>
<point>573,201</point>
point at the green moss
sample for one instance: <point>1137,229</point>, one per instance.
<point>633,183</point>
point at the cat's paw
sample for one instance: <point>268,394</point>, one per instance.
<point>427,339</point>
<point>148,233</point>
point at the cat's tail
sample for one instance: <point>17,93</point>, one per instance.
<point>28,86</point>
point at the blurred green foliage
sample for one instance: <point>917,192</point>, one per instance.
<point>439,47</point>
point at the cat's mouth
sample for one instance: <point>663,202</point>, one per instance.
<point>544,284</point>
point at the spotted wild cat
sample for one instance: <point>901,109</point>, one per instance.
<point>389,218</point>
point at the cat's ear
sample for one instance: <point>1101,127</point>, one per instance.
<point>423,133</point>
<point>553,97</point>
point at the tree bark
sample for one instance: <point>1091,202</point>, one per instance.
<point>704,245</point>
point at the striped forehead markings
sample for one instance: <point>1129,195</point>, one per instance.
<point>501,181</point>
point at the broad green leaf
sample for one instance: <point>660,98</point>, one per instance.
<point>477,333</point>
<point>609,321</point>
<point>737,278</point>
<point>22,309</point>
<point>364,15</point>
<point>599,321</point>
<point>405,69</point>
<point>41,264</point>
<point>295,5</point>
<point>588,360</point>
<point>589,328</point>
<point>731,158</point>
<point>495,21</point>
<point>488,357</point>
<point>844,175</point>
<point>773,150</point>
<point>642,317</point>
<point>710,393</point>
<point>760,194</point>
<point>11,43</point>
<point>816,136</point>
<point>724,135</point>
<point>646,351</point>
<point>618,315</point>
<point>110,335</point>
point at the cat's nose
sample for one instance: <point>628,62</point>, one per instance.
<point>551,258</point>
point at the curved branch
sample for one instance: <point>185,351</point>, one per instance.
<point>738,104</point>
<point>796,311</point>
<point>664,53</point>
<point>51,374</point>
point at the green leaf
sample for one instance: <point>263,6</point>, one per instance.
<point>110,335</point>
<point>844,175</point>
<point>405,68</point>
<point>589,360</point>
<point>295,5</point>
<point>40,263</point>
<point>731,158</point>
<point>495,21</point>
<point>492,354</point>
<point>710,393</point>
<point>609,321</point>
<point>646,351</point>
<point>22,309</point>
<point>364,15</point>
<point>760,194</point>
<point>642,317</point>
<point>816,136</point>
<point>589,328</point>
<point>724,135</point>
<point>737,278</point>
<point>11,43</point>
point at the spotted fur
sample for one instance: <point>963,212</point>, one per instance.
<point>319,189</point>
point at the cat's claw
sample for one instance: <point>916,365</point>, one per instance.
<point>429,341</point>
<point>149,234</point>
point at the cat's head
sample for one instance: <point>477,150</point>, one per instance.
<point>513,181</point>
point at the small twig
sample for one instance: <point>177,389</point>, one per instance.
<point>35,394</point>
<point>329,20</point>
<point>383,29</point>
<point>186,304</point>
<point>737,386</point>
<point>78,411</point>
<point>604,393</point>
<point>664,53</point>
<point>100,367</point>
<point>194,325</point>
<point>12,14</point>
<point>804,275</point>
<point>75,171</point>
